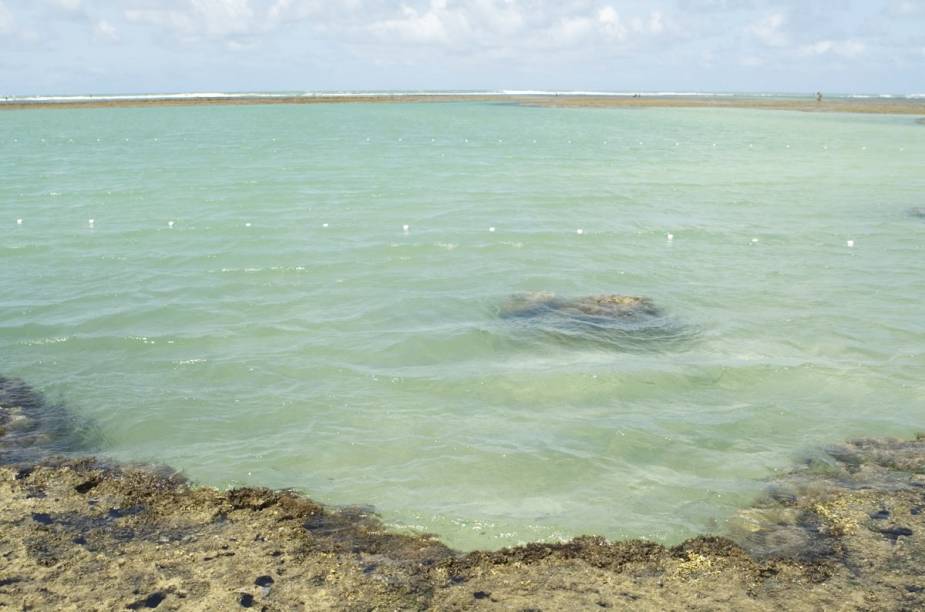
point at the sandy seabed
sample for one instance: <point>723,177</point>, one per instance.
<point>841,531</point>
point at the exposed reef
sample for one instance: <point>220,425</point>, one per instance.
<point>843,531</point>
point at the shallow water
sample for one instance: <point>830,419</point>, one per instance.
<point>285,330</point>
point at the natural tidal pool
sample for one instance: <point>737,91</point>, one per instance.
<point>320,297</point>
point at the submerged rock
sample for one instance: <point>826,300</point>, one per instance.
<point>606,306</point>
<point>32,428</point>
<point>624,322</point>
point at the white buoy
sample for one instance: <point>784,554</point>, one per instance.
<point>405,228</point>
<point>754,241</point>
<point>90,222</point>
<point>18,221</point>
<point>324,225</point>
<point>579,231</point>
<point>491,229</point>
<point>170,224</point>
<point>850,244</point>
<point>669,236</point>
<point>248,224</point>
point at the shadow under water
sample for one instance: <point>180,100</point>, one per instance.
<point>617,322</point>
<point>32,428</point>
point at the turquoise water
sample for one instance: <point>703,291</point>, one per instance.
<point>246,305</point>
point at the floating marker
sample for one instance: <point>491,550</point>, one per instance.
<point>670,237</point>
<point>787,146</point>
<point>754,241</point>
<point>676,143</point>
<point>90,222</point>
<point>491,229</point>
<point>714,145</point>
<point>324,225</point>
<point>18,221</point>
<point>579,231</point>
<point>850,244</point>
<point>405,228</point>
<point>170,224</point>
<point>248,224</point>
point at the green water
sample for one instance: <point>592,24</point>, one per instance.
<point>286,331</point>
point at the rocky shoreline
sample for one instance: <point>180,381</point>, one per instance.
<point>843,531</point>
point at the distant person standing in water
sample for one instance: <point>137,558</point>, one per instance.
<point>818,96</point>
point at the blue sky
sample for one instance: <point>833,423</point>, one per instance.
<point>111,46</point>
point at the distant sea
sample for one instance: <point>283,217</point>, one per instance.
<point>399,93</point>
<point>311,296</point>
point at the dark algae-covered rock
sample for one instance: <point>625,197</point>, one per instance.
<point>842,531</point>
<point>605,306</point>
<point>622,322</point>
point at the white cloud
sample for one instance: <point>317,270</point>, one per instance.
<point>610,23</point>
<point>432,26</point>
<point>770,30</point>
<point>200,18</point>
<point>845,48</point>
<point>103,30</point>
<point>6,19</point>
<point>67,5</point>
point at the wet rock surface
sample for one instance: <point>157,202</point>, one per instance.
<point>842,531</point>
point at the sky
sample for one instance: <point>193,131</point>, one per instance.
<point>138,46</point>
